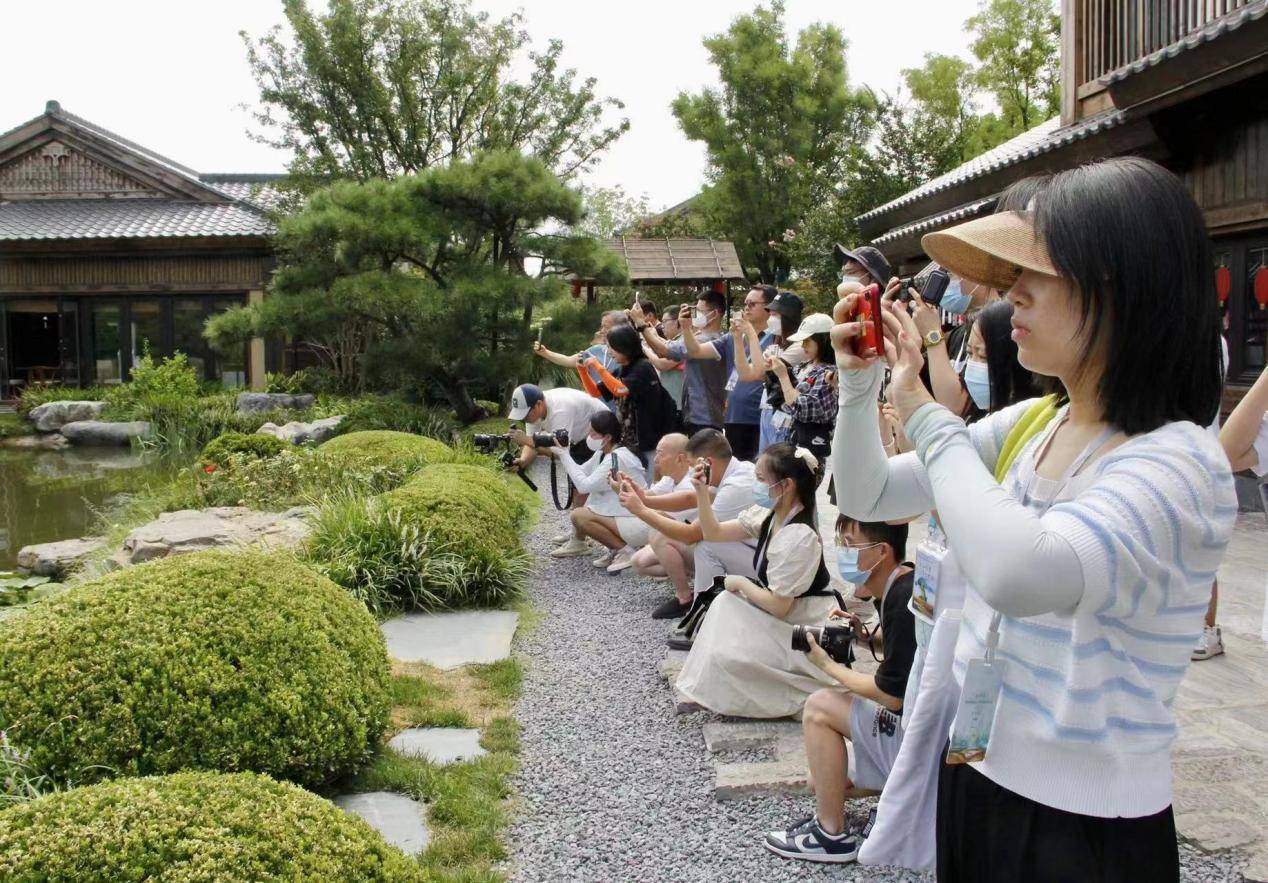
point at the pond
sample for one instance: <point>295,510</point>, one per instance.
<point>56,495</point>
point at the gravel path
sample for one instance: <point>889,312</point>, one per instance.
<point>614,785</point>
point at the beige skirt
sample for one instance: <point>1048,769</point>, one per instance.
<point>742,662</point>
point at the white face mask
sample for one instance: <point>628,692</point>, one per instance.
<point>594,444</point>
<point>701,320</point>
<point>775,326</point>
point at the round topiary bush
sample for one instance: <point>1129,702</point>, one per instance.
<point>456,510</point>
<point>396,451</point>
<point>217,660</point>
<point>498,490</point>
<point>249,445</point>
<point>193,828</point>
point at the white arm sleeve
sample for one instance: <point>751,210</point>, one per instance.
<point>588,478</point>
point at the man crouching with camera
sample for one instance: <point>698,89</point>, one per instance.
<point>867,711</point>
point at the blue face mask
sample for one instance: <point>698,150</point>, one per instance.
<point>762,495</point>
<point>977,380</point>
<point>848,566</point>
<point>955,301</point>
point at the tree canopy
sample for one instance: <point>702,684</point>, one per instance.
<point>422,276</point>
<point>379,88</point>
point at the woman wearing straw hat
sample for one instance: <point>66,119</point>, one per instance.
<point>1088,527</point>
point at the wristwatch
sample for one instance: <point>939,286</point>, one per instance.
<point>933,338</point>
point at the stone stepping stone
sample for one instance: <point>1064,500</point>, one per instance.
<point>740,735</point>
<point>438,744</point>
<point>395,816</point>
<point>735,780</point>
<point>451,640</point>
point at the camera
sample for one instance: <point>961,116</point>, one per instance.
<point>836,640</point>
<point>487,444</point>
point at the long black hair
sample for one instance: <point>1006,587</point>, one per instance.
<point>626,341</point>
<point>1130,238</point>
<point>1010,382</point>
<point>783,462</point>
<point>823,347</point>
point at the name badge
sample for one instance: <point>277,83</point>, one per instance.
<point>924,590</point>
<point>975,713</point>
<point>781,420</point>
<point>732,380</point>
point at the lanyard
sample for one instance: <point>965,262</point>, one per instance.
<point>992,634</point>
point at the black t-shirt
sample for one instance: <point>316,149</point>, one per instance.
<point>898,637</point>
<point>647,411</point>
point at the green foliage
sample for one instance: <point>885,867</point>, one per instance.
<point>194,828</point>
<point>421,702</point>
<point>1016,43</point>
<point>13,425</point>
<point>368,412</point>
<point>34,396</point>
<point>172,378</point>
<point>381,88</point>
<point>18,589</point>
<point>19,780</point>
<point>609,211</point>
<point>422,276</point>
<point>779,133</point>
<point>318,381</point>
<point>247,447</point>
<point>385,448</point>
<point>215,660</point>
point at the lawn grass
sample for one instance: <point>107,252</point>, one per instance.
<point>466,802</point>
<point>13,425</point>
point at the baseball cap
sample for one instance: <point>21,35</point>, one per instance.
<point>786,304</point>
<point>815,323</point>
<point>992,250</point>
<point>522,400</point>
<point>869,257</point>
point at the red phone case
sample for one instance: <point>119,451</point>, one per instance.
<point>869,310</point>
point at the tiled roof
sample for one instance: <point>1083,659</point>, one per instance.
<point>1043,138</point>
<point>126,219</point>
<point>935,222</point>
<point>670,259</point>
<point>255,189</point>
<point>1212,31</point>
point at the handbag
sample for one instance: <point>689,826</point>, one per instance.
<point>690,623</point>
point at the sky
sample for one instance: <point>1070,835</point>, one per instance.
<point>172,74</point>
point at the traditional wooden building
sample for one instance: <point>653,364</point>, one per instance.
<point>108,249</point>
<point>1183,82</point>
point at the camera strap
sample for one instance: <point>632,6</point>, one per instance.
<point>554,488</point>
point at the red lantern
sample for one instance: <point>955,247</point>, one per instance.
<point>576,288</point>
<point>1223,283</point>
<point>1260,284</point>
<point>719,286</point>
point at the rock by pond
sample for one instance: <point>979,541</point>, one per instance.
<point>52,416</point>
<point>298,433</point>
<point>256,402</point>
<point>192,530</point>
<point>45,441</point>
<point>99,433</point>
<point>59,559</point>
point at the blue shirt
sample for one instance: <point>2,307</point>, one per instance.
<point>744,399</point>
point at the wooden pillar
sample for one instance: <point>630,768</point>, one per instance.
<point>255,354</point>
<point>1073,64</point>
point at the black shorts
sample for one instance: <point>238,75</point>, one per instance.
<point>580,451</point>
<point>988,833</point>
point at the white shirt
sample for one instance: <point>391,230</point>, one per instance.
<point>667,485</point>
<point>570,409</point>
<point>592,478</point>
<point>1261,448</point>
<point>735,491</point>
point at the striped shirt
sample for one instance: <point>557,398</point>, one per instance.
<point>1133,541</point>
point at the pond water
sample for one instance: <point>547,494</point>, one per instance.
<point>56,495</point>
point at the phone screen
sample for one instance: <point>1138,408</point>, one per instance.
<point>613,468</point>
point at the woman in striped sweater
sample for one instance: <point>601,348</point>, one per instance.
<point>1090,561</point>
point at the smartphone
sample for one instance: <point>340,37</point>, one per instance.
<point>708,472</point>
<point>935,287</point>
<point>869,310</point>
<point>540,329</point>
<point>904,289</point>
<point>613,469</point>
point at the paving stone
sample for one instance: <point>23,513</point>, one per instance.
<point>683,705</point>
<point>735,780</point>
<point>1217,830</point>
<point>399,819</point>
<point>450,640</point>
<point>740,735</point>
<point>671,666</point>
<point>438,744</point>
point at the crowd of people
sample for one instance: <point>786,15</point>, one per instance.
<point>1051,420</point>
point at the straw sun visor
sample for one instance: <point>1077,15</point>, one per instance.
<point>992,250</point>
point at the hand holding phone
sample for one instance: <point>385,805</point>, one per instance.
<point>613,469</point>
<point>868,312</point>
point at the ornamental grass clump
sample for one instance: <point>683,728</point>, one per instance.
<point>385,449</point>
<point>194,827</point>
<point>218,660</point>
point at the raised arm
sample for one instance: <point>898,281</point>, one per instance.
<point>695,349</point>
<point>585,482</point>
<point>1244,425</point>
<point>711,529</point>
<point>945,382</point>
<point>556,358</point>
<point>749,363</point>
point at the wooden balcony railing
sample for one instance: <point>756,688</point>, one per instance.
<point>1114,33</point>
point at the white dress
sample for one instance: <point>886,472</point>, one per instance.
<point>742,662</point>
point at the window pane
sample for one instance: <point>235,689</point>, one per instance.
<point>188,334</point>
<point>231,368</point>
<point>103,332</point>
<point>147,329</point>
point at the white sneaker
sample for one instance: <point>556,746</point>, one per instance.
<point>622,560</point>
<point>1210,644</point>
<point>603,560</point>
<point>561,538</point>
<point>571,549</point>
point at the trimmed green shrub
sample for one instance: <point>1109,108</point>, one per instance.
<point>215,660</point>
<point>368,412</point>
<point>194,828</point>
<point>247,446</point>
<point>392,450</point>
<point>503,492</point>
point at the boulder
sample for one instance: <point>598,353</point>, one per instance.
<point>192,530</point>
<point>298,433</point>
<point>257,402</point>
<point>57,559</point>
<point>52,416</point>
<point>103,434</point>
<point>45,441</point>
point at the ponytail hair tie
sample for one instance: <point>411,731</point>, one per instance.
<point>804,455</point>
